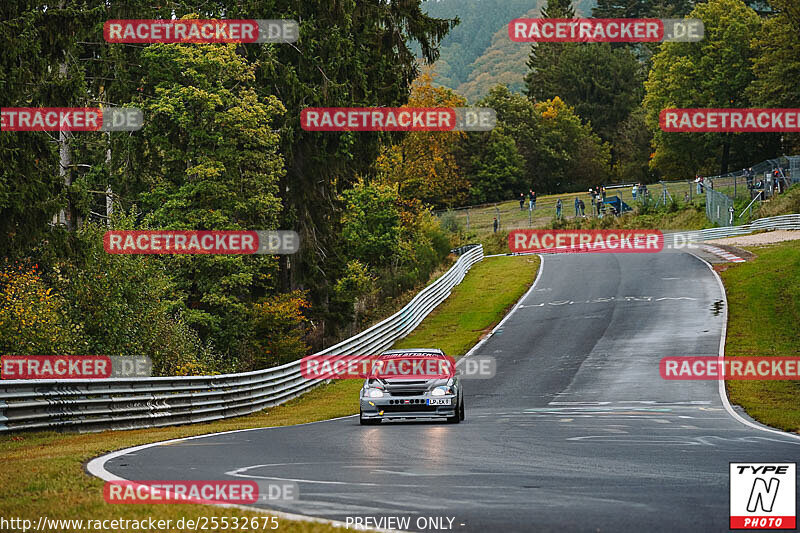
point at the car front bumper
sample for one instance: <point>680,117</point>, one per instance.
<point>397,407</point>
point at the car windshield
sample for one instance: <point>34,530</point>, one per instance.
<point>413,366</point>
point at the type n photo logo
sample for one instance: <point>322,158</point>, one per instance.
<point>763,495</point>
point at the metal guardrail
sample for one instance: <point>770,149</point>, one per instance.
<point>791,222</point>
<point>132,403</point>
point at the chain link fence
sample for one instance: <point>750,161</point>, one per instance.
<point>757,183</point>
<point>719,208</point>
<point>745,187</point>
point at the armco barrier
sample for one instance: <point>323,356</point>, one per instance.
<point>130,403</point>
<point>791,222</point>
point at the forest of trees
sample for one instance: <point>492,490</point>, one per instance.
<point>747,59</point>
<point>221,149</point>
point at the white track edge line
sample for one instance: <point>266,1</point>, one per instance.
<point>97,468</point>
<point>723,395</point>
<point>513,310</point>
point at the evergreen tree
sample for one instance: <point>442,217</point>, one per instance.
<point>545,56</point>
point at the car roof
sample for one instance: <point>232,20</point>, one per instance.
<point>414,351</point>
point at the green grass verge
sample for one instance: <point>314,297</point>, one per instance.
<point>476,305</point>
<point>763,318</point>
<point>43,475</point>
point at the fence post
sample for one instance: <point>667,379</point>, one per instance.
<point>468,219</point>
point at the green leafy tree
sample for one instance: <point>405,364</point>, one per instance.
<point>713,73</point>
<point>208,159</point>
<point>371,223</point>
<point>573,157</point>
<point>632,144</point>
<point>790,9</point>
<point>518,117</point>
<point>560,151</point>
<point>777,66</point>
<point>279,326</point>
<point>602,83</point>
<point>494,166</point>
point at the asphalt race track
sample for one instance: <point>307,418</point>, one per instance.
<point>577,431</point>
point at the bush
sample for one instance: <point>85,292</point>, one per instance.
<point>33,319</point>
<point>95,303</point>
<point>279,327</point>
<point>449,222</point>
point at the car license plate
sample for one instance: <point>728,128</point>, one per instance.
<point>438,401</point>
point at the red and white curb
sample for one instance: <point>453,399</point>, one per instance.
<point>723,254</point>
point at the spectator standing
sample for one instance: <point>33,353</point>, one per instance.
<point>521,201</point>
<point>496,224</point>
<point>603,192</point>
<point>635,190</point>
<point>558,208</point>
<point>531,200</point>
<point>577,207</point>
<point>582,207</point>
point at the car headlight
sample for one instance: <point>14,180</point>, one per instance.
<point>375,393</point>
<point>441,391</point>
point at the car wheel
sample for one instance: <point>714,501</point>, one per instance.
<point>459,414</point>
<point>368,421</point>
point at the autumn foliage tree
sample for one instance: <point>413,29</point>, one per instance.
<point>423,163</point>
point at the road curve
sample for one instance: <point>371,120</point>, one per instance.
<point>577,431</point>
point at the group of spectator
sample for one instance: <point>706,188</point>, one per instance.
<point>701,183</point>
<point>598,196</point>
<point>531,200</point>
